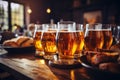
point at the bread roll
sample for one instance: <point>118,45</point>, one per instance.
<point>28,42</point>
<point>21,41</point>
<point>11,42</point>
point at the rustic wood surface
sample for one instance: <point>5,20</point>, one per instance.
<point>27,67</point>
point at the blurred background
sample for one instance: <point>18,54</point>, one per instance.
<point>24,12</point>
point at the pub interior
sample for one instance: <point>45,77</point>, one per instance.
<point>19,17</point>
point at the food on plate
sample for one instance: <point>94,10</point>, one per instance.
<point>21,41</point>
<point>89,55</point>
<point>110,66</point>
<point>109,61</point>
<point>10,43</point>
<point>28,42</point>
<point>104,57</point>
<point>116,47</point>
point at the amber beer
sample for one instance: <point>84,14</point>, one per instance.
<point>108,39</point>
<point>67,44</point>
<point>49,42</point>
<point>94,39</point>
<point>37,43</point>
<point>80,41</point>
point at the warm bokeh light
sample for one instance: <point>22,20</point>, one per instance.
<point>48,10</point>
<point>29,11</point>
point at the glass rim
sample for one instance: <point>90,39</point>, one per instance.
<point>98,26</point>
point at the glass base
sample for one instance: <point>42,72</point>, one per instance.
<point>65,63</point>
<point>39,53</point>
<point>49,57</point>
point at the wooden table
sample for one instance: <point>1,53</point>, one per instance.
<point>25,66</point>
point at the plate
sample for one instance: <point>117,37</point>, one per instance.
<point>96,70</point>
<point>65,64</point>
<point>19,49</point>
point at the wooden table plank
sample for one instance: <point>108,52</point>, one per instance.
<point>27,68</point>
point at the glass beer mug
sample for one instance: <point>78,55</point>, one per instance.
<point>108,38</point>
<point>94,38</point>
<point>48,40</point>
<point>80,40</point>
<point>37,40</point>
<point>67,42</point>
<point>116,33</point>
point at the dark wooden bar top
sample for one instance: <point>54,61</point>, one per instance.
<point>25,66</point>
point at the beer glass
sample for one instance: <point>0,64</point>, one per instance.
<point>37,40</point>
<point>108,38</point>
<point>116,33</point>
<point>80,40</point>
<point>67,42</point>
<point>48,40</point>
<point>94,38</point>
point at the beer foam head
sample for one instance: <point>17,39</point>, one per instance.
<point>99,29</point>
<point>94,29</point>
